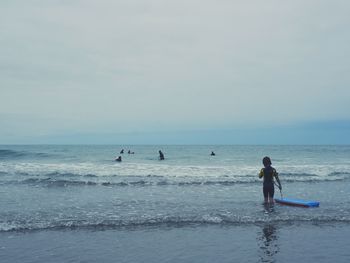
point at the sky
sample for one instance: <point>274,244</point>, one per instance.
<point>174,72</point>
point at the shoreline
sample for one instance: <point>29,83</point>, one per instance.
<point>210,243</point>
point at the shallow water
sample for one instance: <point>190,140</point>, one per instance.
<point>203,207</point>
<point>211,243</point>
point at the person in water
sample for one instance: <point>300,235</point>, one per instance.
<point>269,173</point>
<point>122,151</point>
<point>161,155</point>
<point>119,159</point>
<point>212,153</point>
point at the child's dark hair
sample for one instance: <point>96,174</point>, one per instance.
<point>266,161</point>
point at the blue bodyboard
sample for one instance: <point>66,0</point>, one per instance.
<point>297,202</point>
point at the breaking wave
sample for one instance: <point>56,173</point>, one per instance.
<point>64,179</point>
<point>168,221</point>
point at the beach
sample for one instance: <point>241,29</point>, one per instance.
<point>75,204</point>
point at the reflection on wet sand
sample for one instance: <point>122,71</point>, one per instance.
<point>268,240</point>
<point>268,243</point>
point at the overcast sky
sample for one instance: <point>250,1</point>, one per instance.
<point>105,69</point>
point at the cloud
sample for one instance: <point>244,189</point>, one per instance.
<point>141,65</point>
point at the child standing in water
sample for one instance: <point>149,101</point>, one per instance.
<point>268,172</point>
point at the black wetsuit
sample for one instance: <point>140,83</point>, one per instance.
<point>268,186</point>
<point>161,156</point>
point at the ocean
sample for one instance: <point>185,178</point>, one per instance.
<point>64,203</point>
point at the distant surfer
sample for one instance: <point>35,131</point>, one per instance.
<point>119,159</point>
<point>212,153</point>
<point>269,173</point>
<point>161,155</point>
<point>122,151</point>
<point>130,152</point>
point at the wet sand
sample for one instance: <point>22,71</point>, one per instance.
<point>304,242</point>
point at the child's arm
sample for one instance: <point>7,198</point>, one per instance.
<point>278,180</point>
<point>261,174</point>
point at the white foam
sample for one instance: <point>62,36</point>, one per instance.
<point>245,173</point>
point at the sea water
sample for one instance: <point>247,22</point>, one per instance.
<point>76,204</point>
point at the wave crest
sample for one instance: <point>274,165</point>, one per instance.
<point>166,222</point>
<point>11,154</point>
